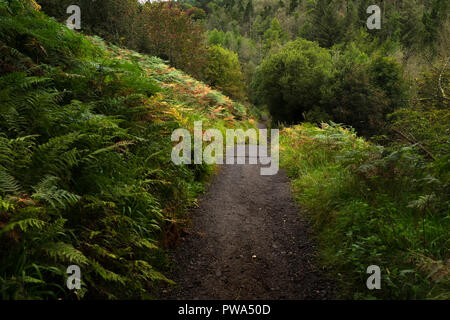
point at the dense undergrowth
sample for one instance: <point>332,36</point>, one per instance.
<point>85,170</point>
<point>374,205</point>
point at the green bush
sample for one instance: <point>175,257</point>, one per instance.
<point>223,71</point>
<point>345,85</point>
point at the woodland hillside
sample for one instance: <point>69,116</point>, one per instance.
<point>86,116</point>
<point>85,170</point>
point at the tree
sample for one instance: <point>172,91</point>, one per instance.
<point>163,29</point>
<point>433,19</point>
<point>290,82</point>
<point>224,72</point>
<point>216,38</point>
<point>326,24</point>
<point>169,33</point>
<point>249,10</point>
<point>364,90</point>
<point>293,4</point>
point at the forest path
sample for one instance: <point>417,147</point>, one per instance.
<point>247,241</point>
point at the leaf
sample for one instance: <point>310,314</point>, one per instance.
<point>8,183</point>
<point>24,225</point>
<point>48,191</point>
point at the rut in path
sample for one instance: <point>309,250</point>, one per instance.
<point>247,241</point>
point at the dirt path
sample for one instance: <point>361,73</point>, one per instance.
<point>247,241</point>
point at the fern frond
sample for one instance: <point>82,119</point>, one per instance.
<point>54,230</point>
<point>423,202</point>
<point>48,191</point>
<point>145,244</point>
<point>93,156</point>
<point>6,205</point>
<point>148,273</point>
<point>20,80</point>
<point>65,252</point>
<point>30,82</point>
<point>24,225</point>
<point>102,252</point>
<point>105,274</point>
<point>28,279</point>
<point>57,154</point>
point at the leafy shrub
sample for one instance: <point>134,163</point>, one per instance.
<point>223,71</point>
<point>364,90</point>
<point>425,124</point>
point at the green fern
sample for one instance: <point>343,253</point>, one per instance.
<point>102,252</point>
<point>24,225</point>
<point>6,205</point>
<point>145,244</point>
<point>105,274</point>
<point>47,190</point>
<point>85,170</point>
<point>65,252</point>
<point>58,154</point>
<point>8,184</point>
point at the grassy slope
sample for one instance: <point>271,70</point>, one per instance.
<point>372,206</point>
<point>85,170</point>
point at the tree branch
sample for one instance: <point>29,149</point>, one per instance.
<point>414,141</point>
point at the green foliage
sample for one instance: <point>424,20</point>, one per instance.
<point>47,190</point>
<point>427,127</point>
<point>85,171</point>
<point>346,85</point>
<point>274,37</point>
<point>169,33</point>
<point>325,25</point>
<point>115,21</point>
<point>364,90</point>
<point>249,52</point>
<point>372,205</point>
<point>414,27</point>
<point>163,29</point>
<point>223,71</point>
<point>433,19</point>
<point>425,123</point>
<point>216,38</point>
